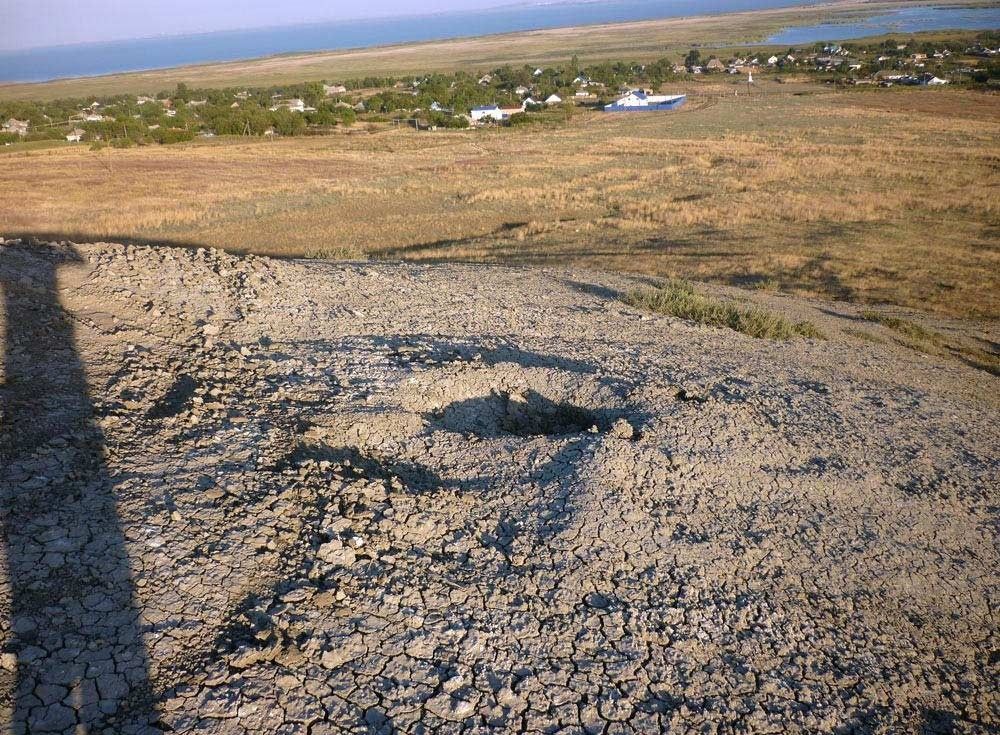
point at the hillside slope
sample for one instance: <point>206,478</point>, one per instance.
<point>243,495</point>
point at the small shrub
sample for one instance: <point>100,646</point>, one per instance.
<point>679,299</point>
<point>766,284</point>
<point>167,136</point>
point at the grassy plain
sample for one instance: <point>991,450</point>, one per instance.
<point>638,41</point>
<point>874,196</point>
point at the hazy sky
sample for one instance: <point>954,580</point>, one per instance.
<point>28,23</point>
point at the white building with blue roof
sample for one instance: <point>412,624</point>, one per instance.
<point>483,112</point>
<point>639,101</point>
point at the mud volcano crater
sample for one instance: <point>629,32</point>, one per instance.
<point>523,413</point>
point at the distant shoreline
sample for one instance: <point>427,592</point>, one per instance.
<point>50,63</point>
<point>635,40</point>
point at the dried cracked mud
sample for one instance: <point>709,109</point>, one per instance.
<point>250,496</point>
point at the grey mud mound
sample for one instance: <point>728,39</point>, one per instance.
<point>249,496</point>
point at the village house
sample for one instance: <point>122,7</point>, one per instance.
<point>332,89</point>
<point>715,65</point>
<point>485,79</point>
<point>143,100</point>
<point>75,135</point>
<point>772,60</point>
<point>553,99</point>
<point>640,101</point>
<point>486,112</point>
<point>294,105</point>
<point>15,126</point>
<point>95,117</point>
<point>982,51</point>
<point>680,69</point>
<point>522,90</point>
<point>537,73</point>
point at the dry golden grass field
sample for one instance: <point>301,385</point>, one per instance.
<point>880,195</point>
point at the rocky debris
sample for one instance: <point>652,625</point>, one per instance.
<point>252,496</point>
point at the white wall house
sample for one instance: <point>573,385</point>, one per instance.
<point>295,105</point>
<point>486,112</point>
<point>639,100</point>
<point>553,99</point>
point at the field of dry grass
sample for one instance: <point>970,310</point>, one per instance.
<point>638,41</point>
<point>883,195</point>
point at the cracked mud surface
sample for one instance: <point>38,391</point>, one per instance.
<point>249,496</point>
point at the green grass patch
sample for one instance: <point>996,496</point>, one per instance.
<point>924,340</point>
<point>679,299</point>
<point>903,326</point>
<point>866,336</point>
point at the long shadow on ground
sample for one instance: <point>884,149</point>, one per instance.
<point>74,622</point>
